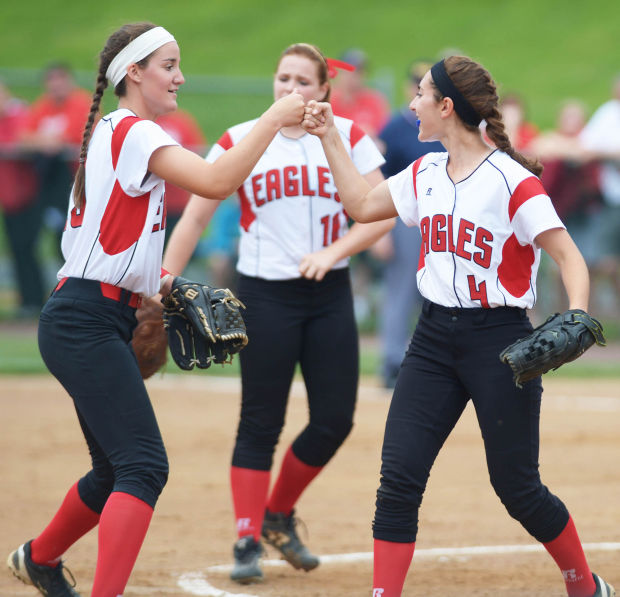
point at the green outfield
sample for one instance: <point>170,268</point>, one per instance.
<point>546,49</point>
<point>19,354</point>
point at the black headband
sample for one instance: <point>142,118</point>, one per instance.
<point>448,89</point>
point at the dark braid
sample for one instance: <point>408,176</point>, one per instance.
<point>477,86</point>
<point>80,175</point>
<point>497,133</point>
<point>115,43</point>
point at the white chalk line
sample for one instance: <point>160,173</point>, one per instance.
<point>195,583</point>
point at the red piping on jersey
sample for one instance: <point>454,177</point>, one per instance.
<point>414,173</point>
<point>526,189</point>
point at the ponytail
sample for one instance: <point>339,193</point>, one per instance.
<point>475,83</point>
<point>79,196</point>
<point>497,133</point>
<point>115,43</point>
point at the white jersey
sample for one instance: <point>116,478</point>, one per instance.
<point>289,204</point>
<point>478,235</point>
<point>118,236</point>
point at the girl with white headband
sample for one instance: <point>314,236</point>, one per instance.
<point>112,245</point>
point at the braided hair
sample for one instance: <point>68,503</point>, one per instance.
<point>115,43</point>
<point>477,86</point>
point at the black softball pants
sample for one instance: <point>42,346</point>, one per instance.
<point>84,341</point>
<point>289,322</point>
<point>454,357</point>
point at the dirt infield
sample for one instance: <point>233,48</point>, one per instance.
<point>188,548</point>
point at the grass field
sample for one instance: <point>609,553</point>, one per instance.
<point>547,50</point>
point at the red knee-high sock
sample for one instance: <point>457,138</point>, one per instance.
<point>391,563</point>
<point>122,528</point>
<point>294,477</point>
<point>568,554</point>
<point>73,520</point>
<point>249,492</point>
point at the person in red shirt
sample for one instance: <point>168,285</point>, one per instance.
<point>352,98</point>
<point>520,131</point>
<point>17,193</point>
<point>54,133</point>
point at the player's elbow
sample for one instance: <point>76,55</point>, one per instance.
<point>216,190</point>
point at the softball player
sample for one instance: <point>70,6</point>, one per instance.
<point>113,245</point>
<point>484,217</point>
<point>294,281</point>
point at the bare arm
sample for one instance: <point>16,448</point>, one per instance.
<point>185,169</point>
<point>186,234</point>
<point>560,246</point>
<point>363,202</point>
<point>359,237</point>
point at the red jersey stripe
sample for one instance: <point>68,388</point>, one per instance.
<point>526,189</point>
<point>247,215</point>
<point>225,141</point>
<point>414,173</point>
<point>356,134</point>
<point>118,137</point>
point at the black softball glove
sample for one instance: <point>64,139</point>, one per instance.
<point>204,324</point>
<point>561,339</point>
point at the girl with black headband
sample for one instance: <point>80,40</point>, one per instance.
<point>484,217</point>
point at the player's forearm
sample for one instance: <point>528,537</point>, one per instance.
<point>236,164</point>
<point>352,186</point>
<point>183,242</point>
<point>576,280</point>
<point>573,269</point>
<point>360,237</point>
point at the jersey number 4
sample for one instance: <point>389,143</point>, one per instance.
<point>478,293</point>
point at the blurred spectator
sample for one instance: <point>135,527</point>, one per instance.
<point>21,214</point>
<point>54,133</point>
<point>570,176</point>
<point>401,248</point>
<point>184,129</point>
<point>520,131</point>
<point>601,137</point>
<point>352,98</point>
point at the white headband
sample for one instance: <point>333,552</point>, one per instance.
<point>135,51</point>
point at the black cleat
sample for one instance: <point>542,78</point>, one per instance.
<point>50,582</point>
<point>247,553</point>
<point>603,589</point>
<point>279,531</point>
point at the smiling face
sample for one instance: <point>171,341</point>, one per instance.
<point>427,110</point>
<point>161,79</point>
<point>297,71</point>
